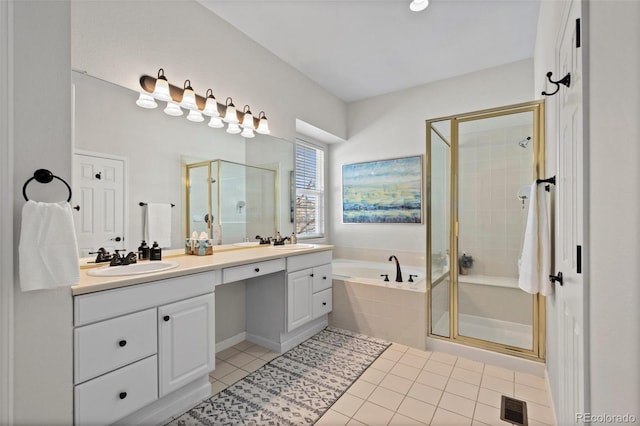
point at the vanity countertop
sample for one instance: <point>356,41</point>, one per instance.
<point>190,265</point>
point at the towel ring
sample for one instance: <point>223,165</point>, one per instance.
<point>44,176</point>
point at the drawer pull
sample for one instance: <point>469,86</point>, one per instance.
<point>122,343</point>
<point>257,269</point>
<point>324,303</point>
<point>166,318</point>
<point>312,275</point>
<point>123,395</point>
<point>324,278</point>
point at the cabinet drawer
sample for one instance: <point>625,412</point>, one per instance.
<point>322,303</point>
<point>304,261</point>
<point>107,345</point>
<point>322,277</point>
<point>237,273</point>
<point>108,398</point>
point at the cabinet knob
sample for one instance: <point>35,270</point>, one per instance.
<point>122,395</point>
<point>324,303</point>
<point>257,269</point>
<point>166,318</point>
<point>324,278</point>
<point>312,275</point>
<point>122,343</point>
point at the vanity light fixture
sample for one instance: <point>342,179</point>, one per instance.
<point>177,99</point>
<point>263,126</point>
<point>418,5</point>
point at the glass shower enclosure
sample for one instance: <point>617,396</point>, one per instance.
<point>230,202</point>
<point>480,169</point>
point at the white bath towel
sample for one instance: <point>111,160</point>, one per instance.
<point>157,224</point>
<point>48,249</point>
<point>535,259</point>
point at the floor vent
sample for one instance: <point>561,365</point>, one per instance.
<point>513,411</point>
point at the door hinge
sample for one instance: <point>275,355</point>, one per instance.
<point>578,34</point>
<point>579,259</point>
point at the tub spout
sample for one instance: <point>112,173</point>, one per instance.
<point>398,271</point>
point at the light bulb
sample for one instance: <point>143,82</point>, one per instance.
<point>173,109</point>
<point>188,97</point>
<point>145,100</point>
<point>233,128</point>
<point>418,5</point>
<point>211,105</point>
<point>263,125</point>
<point>230,115</point>
<point>216,123</point>
<point>161,91</point>
<point>247,133</point>
<point>195,116</point>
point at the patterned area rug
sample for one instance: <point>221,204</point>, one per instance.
<point>295,388</point>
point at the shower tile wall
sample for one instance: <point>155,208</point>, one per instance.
<point>493,167</point>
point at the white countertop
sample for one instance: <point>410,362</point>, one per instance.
<point>221,258</point>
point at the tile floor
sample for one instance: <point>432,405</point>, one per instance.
<point>407,386</point>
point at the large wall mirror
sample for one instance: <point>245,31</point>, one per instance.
<point>125,155</point>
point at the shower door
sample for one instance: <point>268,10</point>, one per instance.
<point>492,159</point>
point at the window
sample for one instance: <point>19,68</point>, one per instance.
<point>309,207</point>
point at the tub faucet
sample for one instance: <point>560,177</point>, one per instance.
<point>398,271</point>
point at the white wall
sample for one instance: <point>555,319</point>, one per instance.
<point>612,38</point>
<point>121,40</point>
<point>43,391</point>
<point>393,125</point>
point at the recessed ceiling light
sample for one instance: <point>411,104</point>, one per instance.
<point>418,5</point>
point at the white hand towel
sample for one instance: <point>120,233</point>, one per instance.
<point>535,259</point>
<point>157,224</point>
<point>48,249</point>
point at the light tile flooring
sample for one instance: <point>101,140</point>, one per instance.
<point>408,386</point>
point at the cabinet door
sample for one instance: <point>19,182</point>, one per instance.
<point>186,342</point>
<point>299,298</point>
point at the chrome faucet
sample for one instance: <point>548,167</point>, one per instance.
<point>398,271</point>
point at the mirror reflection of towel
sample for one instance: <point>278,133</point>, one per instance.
<point>157,224</point>
<point>48,249</point>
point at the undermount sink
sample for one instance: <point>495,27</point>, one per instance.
<point>293,246</point>
<point>133,269</point>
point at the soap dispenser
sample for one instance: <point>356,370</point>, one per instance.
<point>155,252</point>
<point>143,251</point>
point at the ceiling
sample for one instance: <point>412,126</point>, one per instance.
<point>358,49</point>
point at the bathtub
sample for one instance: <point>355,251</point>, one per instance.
<point>363,302</point>
<point>370,273</point>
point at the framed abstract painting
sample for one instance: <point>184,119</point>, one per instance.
<point>384,191</point>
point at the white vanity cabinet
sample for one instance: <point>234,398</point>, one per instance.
<point>285,308</point>
<point>136,346</point>
<point>309,290</point>
<point>185,342</point>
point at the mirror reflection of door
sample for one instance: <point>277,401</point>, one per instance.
<point>98,185</point>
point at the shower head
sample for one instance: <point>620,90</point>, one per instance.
<point>524,142</point>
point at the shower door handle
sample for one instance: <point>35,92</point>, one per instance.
<point>556,278</point>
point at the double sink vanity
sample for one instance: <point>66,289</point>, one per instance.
<point>144,343</point>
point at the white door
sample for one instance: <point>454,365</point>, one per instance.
<point>98,185</point>
<point>299,298</point>
<point>186,342</point>
<point>569,223</point>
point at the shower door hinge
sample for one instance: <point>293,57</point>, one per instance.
<point>578,34</point>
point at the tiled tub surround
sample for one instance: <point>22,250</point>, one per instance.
<point>369,305</point>
<point>148,380</point>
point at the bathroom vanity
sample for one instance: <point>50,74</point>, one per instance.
<point>144,344</point>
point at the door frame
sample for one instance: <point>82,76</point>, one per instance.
<point>6,214</point>
<point>538,353</point>
<point>125,179</point>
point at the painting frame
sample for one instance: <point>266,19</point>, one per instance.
<point>383,191</point>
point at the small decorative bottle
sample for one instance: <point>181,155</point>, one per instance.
<point>155,252</point>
